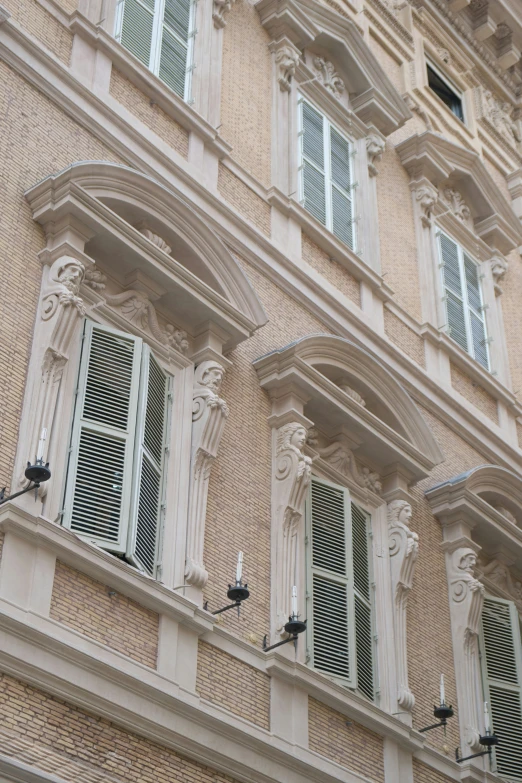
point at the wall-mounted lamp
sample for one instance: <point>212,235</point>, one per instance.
<point>488,740</point>
<point>36,475</point>
<point>442,712</point>
<point>236,593</point>
<point>293,627</point>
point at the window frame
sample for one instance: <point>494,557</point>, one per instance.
<point>158,23</point>
<point>329,183</point>
<point>467,307</point>
<point>430,65</point>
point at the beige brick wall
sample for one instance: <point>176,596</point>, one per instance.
<point>77,745</point>
<point>330,269</point>
<point>36,139</point>
<point>38,22</point>
<point>425,774</point>
<point>234,685</point>
<point>474,393</point>
<point>390,64</point>
<point>104,615</point>
<point>246,105</point>
<point>240,196</point>
<point>149,113</point>
<point>353,746</point>
<point>239,504</point>
<point>404,338</point>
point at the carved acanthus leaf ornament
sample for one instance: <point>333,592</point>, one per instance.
<point>329,77</point>
<point>456,203</point>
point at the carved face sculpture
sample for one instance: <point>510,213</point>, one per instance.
<point>298,438</point>
<point>468,562</point>
<point>70,275</point>
<point>213,377</point>
<point>405,514</point>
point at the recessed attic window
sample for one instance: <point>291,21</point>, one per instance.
<point>445,93</point>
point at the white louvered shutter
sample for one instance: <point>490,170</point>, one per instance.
<point>136,24</point>
<point>313,162</point>
<point>99,478</point>
<point>476,312</point>
<point>502,675</point>
<point>341,188</point>
<point>149,471</point>
<point>453,291</point>
<point>175,34</point>
<point>340,617</point>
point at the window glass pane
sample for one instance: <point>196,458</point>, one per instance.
<point>445,93</point>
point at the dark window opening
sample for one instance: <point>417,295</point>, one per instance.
<point>445,93</point>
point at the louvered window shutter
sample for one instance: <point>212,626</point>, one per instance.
<point>149,464</point>
<point>326,174</point>
<point>502,676</point>
<point>159,33</point>
<point>339,616</point>
<point>99,478</point>
<point>453,291</point>
<point>476,312</point>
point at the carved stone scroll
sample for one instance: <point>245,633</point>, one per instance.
<point>404,550</point>
<point>466,601</point>
<point>209,414</point>
<point>292,473</point>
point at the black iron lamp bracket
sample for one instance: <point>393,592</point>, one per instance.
<point>293,627</point>
<point>442,712</point>
<point>236,593</point>
<point>487,739</point>
<point>37,474</point>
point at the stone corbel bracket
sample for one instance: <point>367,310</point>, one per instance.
<point>220,10</point>
<point>375,144</point>
<point>286,60</point>
<point>404,550</point>
<point>209,415</point>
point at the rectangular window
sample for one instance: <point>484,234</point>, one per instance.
<point>447,95</point>
<point>501,654</point>
<point>160,33</point>
<point>115,477</point>
<point>463,300</point>
<point>339,587</point>
<point>325,173</point>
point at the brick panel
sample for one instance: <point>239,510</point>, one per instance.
<point>38,22</point>
<point>424,774</point>
<point>54,736</point>
<point>234,685</point>
<point>474,393</point>
<point>247,203</point>
<point>331,270</point>
<point>404,338</point>
<point>353,746</point>
<point>152,116</point>
<point>102,614</point>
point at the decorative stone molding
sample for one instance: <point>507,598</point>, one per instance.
<point>329,76</point>
<point>374,149</point>
<point>209,414</point>
<point>499,574</point>
<point>286,60</point>
<point>456,203</point>
<point>499,267</point>
<point>220,10</point>
<point>292,474</point>
<point>498,116</point>
<point>404,550</point>
<point>426,196</point>
<point>139,310</point>
<point>154,238</point>
<point>340,456</point>
<point>415,107</point>
<point>344,384</point>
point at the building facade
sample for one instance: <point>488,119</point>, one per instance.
<point>261,283</point>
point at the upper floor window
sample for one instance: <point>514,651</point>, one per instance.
<point>160,34</point>
<point>463,300</point>
<point>501,650</point>
<point>115,475</point>
<point>445,92</point>
<point>325,173</point>
<point>339,587</point>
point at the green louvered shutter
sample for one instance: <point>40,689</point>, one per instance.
<point>173,65</point>
<point>339,607</point>
<point>149,464</point>
<point>453,291</point>
<point>476,312</point>
<point>502,676</point>
<point>341,188</point>
<point>313,162</point>
<point>136,24</point>
<point>100,472</point>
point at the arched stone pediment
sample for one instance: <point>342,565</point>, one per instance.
<point>345,389</point>
<point>307,23</point>
<point>134,226</point>
<point>462,187</point>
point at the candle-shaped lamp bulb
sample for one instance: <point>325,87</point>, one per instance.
<point>442,694</point>
<point>294,601</point>
<point>239,569</point>
<point>487,724</point>
<point>41,444</point>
